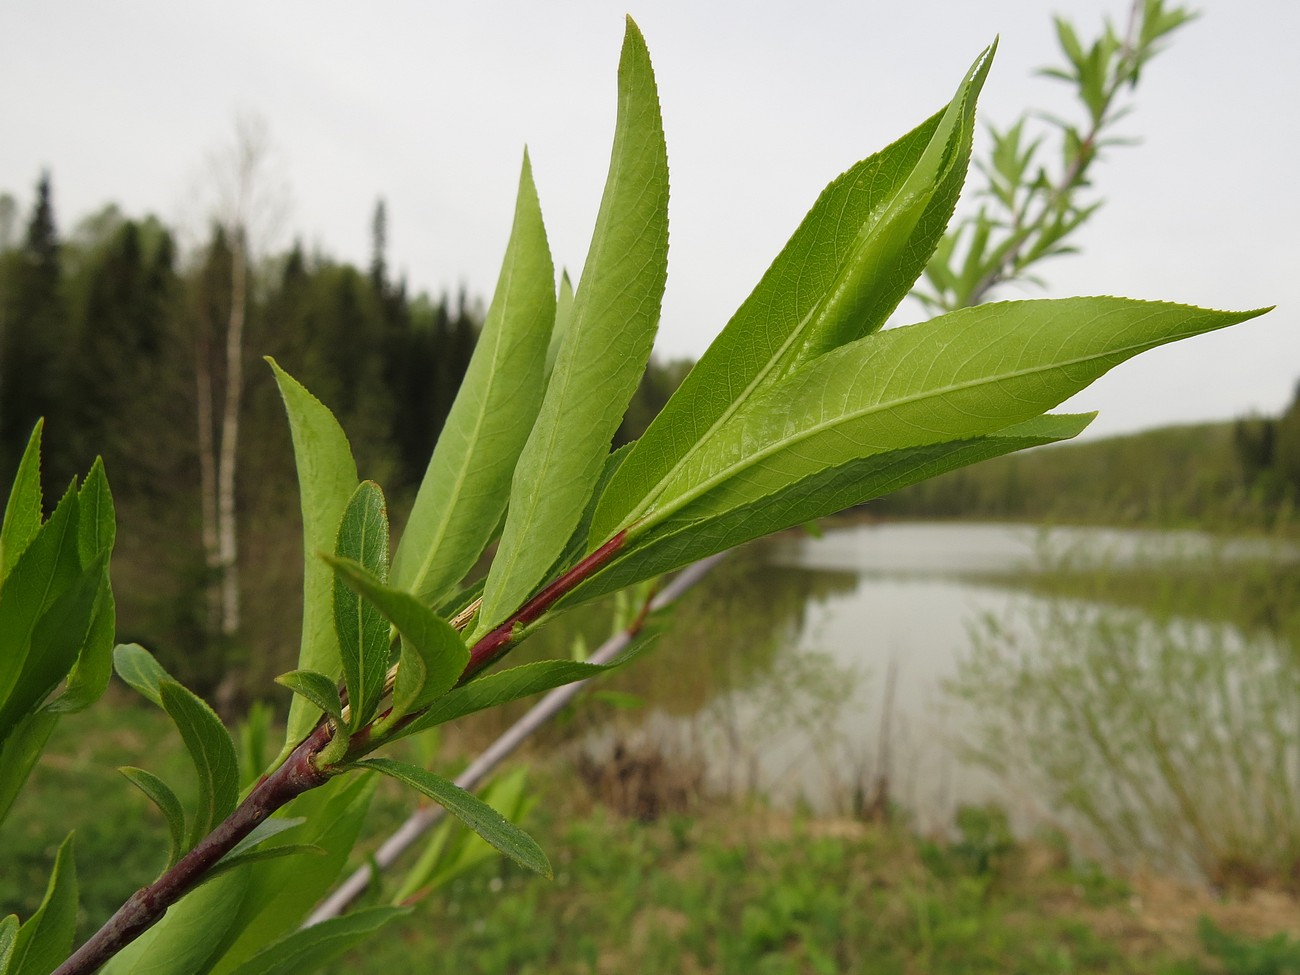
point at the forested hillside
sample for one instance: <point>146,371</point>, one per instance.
<point>1240,473</point>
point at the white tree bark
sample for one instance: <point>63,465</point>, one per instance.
<point>250,204</point>
<point>227,526</point>
<point>207,478</point>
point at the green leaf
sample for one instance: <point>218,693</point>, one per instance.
<point>55,642</point>
<point>22,517</point>
<point>962,375</point>
<point>213,753</point>
<point>454,850</point>
<point>191,934</point>
<point>18,755</point>
<point>563,316</point>
<point>433,654</point>
<point>317,688</point>
<point>47,568</point>
<point>311,948</point>
<point>140,670</point>
<point>233,861</point>
<point>472,811</point>
<point>281,892</point>
<point>97,523</point>
<point>689,537</point>
<point>605,349</point>
<point>361,629</point>
<point>94,667</point>
<point>327,476</point>
<point>502,687</point>
<point>464,492</point>
<point>1069,41</point>
<point>161,795</point>
<point>97,532</point>
<point>848,265</point>
<point>8,934</point>
<point>46,938</point>
<point>264,831</point>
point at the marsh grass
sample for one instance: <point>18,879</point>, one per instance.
<point>1171,731</point>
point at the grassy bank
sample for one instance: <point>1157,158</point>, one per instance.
<point>743,891</point>
<point>714,888</point>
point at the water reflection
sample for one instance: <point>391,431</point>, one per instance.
<point>809,670</point>
<point>775,670</point>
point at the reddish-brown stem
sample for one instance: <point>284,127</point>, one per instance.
<point>297,775</point>
<point>146,906</point>
<point>498,640</point>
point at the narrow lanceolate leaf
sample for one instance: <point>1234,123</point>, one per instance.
<point>46,938</point>
<point>191,935</point>
<point>688,536</point>
<point>43,573</point>
<point>851,261</point>
<point>433,654</point>
<point>90,676</point>
<point>360,627</point>
<point>213,754</point>
<point>607,343</point>
<point>494,690</point>
<point>563,315</point>
<point>22,517</point>
<point>452,850</point>
<point>281,892</point>
<point>18,755</point>
<point>469,809</point>
<point>235,861</point>
<point>97,532</point>
<point>264,832</point>
<point>311,948</point>
<point>316,688</point>
<point>327,476</point>
<point>8,934</point>
<point>97,525</point>
<point>966,374</point>
<point>140,670</point>
<point>464,492</point>
<point>162,796</point>
<point>52,650</point>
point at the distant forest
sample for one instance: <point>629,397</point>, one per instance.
<point>1233,474</point>
<point>122,343</point>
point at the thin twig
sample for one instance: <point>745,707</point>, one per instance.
<point>1083,158</point>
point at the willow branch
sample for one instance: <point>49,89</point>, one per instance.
<point>300,773</point>
<point>426,817</point>
<point>146,906</point>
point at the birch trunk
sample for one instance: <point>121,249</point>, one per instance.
<point>226,525</point>
<point>207,476</point>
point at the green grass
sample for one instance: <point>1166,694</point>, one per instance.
<point>741,891</point>
<point>120,840</point>
<point>728,888</point>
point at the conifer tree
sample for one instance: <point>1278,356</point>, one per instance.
<point>35,329</point>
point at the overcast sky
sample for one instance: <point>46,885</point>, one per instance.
<point>429,105</point>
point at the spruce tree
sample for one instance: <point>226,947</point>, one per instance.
<point>36,330</point>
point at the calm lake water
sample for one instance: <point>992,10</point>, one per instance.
<point>807,668</point>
